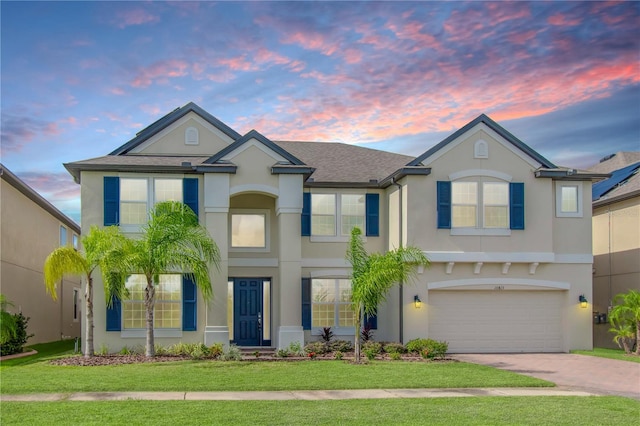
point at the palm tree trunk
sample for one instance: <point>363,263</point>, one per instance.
<point>638,338</point>
<point>88,296</point>
<point>149,302</point>
<point>356,344</point>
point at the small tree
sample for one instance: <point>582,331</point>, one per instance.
<point>102,246</point>
<point>373,275</point>
<point>625,318</point>
<point>171,241</point>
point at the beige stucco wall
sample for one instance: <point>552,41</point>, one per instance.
<point>29,235</point>
<point>616,250</point>
<point>172,139</point>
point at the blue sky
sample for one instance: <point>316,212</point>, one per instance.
<point>81,78</point>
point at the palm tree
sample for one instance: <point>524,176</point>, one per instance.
<point>7,321</point>
<point>101,246</point>
<point>171,241</point>
<point>373,275</point>
<point>625,317</point>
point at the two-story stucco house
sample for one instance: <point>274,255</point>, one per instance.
<point>508,234</point>
<point>31,228</point>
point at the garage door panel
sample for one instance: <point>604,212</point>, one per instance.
<point>497,321</point>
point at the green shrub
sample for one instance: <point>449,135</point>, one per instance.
<point>283,353</point>
<point>316,347</point>
<point>232,354</point>
<point>125,351</point>
<point>295,348</point>
<point>16,341</point>
<point>340,345</point>
<point>433,348</point>
<point>104,350</point>
<point>161,350</point>
<point>395,356</point>
<point>392,348</point>
<point>338,355</point>
<point>374,347</point>
<point>216,350</point>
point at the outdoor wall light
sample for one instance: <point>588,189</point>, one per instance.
<point>417,302</point>
<point>583,301</point>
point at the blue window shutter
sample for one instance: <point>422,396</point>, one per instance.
<point>516,205</point>
<point>190,193</point>
<point>444,205</point>
<point>111,200</point>
<point>373,215</point>
<point>306,303</point>
<point>371,321</point>
<point>114,315</point>
<point>306,214</point>
<point>189,304</point>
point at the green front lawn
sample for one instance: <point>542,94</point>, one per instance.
<point>42,377</point>
<point>436,411</point>
<point>609,353</point>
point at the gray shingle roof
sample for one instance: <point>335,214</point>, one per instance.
<point>342,163</point>
<point>627,188</point>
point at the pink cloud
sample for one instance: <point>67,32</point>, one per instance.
<point>19,130</point>
<point>562,20</point>
<point>311,41</point>
<point>117,91</point>
<point>131,17</point>
<point>160,72</point>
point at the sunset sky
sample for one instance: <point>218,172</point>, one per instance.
<point>80,79</point>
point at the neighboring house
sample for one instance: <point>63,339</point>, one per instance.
<point>31,228</point>
<point>508,232</point>
<point>616,237</point>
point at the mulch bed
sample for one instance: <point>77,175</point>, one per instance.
<point>116,359</point>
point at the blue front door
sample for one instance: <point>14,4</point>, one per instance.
<point>247,311</point>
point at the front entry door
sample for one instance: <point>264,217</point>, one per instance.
<point>247,309</point>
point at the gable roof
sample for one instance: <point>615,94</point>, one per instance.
<point>482,118</point>
<point>167,120</point>
<point>31,194</point>
<point>253,134</point>
<point>616,161</point>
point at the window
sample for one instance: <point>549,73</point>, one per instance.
<point>168,190</point>
<point>569,199</point>
<point>480,207</point>
<point>133,201</point>
<point>248,230</point>
<point>352,212</point>
<point>496,205</point>
<point>324,217</point>
<point>464,204</point>
<point>75,241</point>
<point>465,199</point>
<point>323,214</point>
<point>331,303</point>
<point>168,307</point>
<point>63,236</point>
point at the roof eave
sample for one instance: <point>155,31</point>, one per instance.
<point>75,169</point>
<point>403,172</point>
<point>570,175</point>
<point>606,201</point>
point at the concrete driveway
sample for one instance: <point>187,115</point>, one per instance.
<point>580,372</point>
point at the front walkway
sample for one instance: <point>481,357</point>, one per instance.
<point>296,395</point>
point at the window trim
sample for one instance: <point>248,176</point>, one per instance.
<point>151,196</point>
<point>480,214</point>
<point>62,236</point>
<point>267,231</point>
<point>337,214</point>
<point>158,332</point>
<point>338,330</point>
<point>579,199</point>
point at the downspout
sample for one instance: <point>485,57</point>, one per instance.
<point>400,287</point>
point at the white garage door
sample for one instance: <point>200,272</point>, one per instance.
<point>497,321</point>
